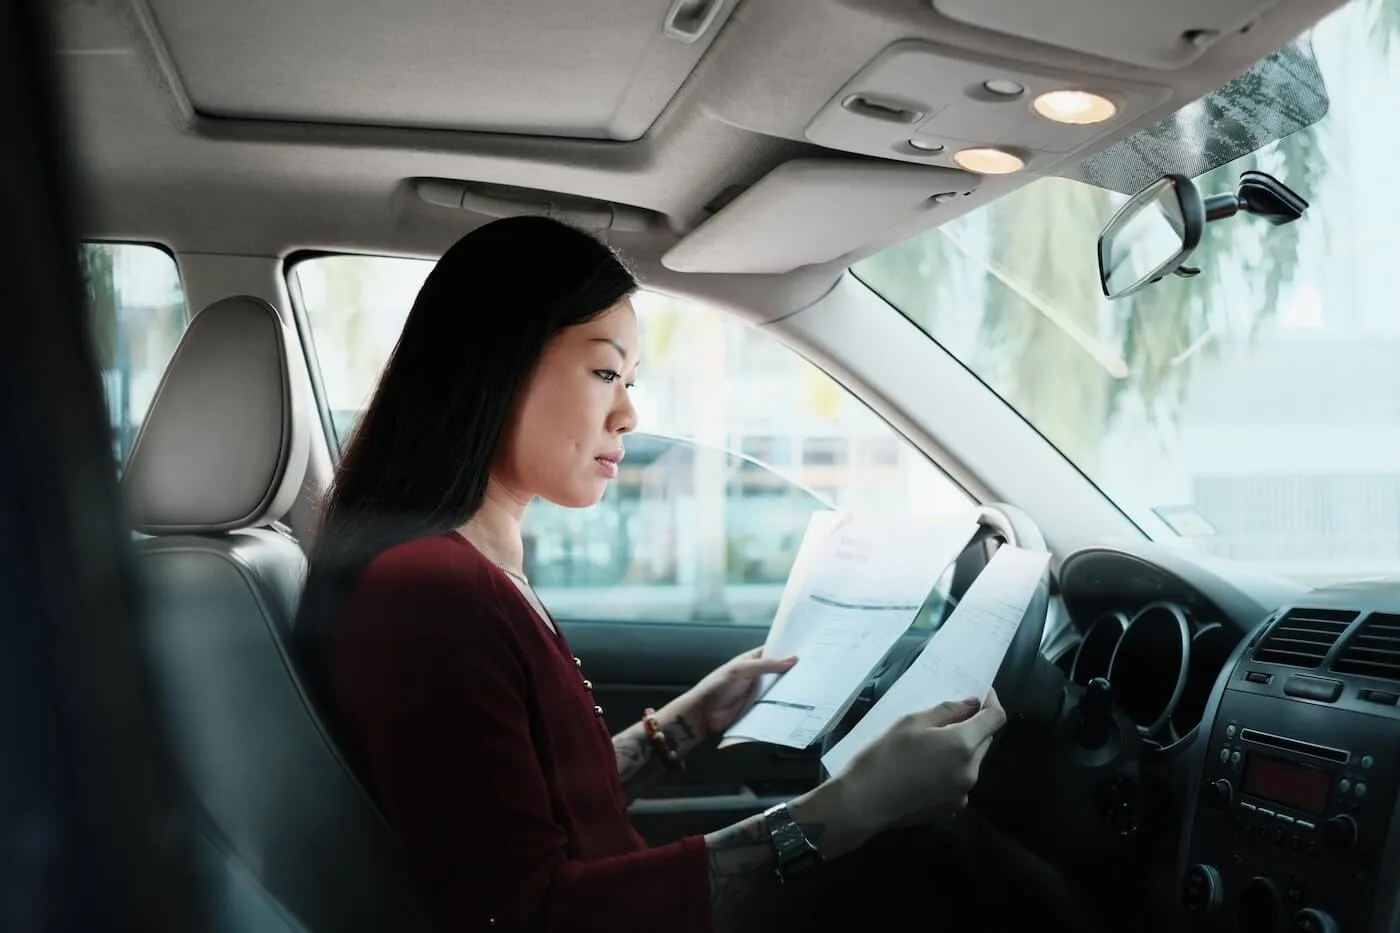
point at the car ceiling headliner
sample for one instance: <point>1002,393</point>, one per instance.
<point>271,126</point>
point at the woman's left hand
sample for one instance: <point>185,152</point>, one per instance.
<point>725,692</point>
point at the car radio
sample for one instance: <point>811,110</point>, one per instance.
<point>1293,826</point>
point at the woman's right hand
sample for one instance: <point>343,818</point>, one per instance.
<point>924,764</point>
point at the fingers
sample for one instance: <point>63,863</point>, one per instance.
<point>946,714</point>
<point>984,723</point>
<point>757,665</point>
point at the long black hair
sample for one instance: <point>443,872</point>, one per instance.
<point>419,459</point>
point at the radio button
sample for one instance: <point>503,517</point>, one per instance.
<point>1230,731</point>
<point>1224,755</point>
<point>1379,696</point>
<point>1234,759</point>
<point>1265,828</point>
<point>1219,794</point>
<point>1344,786</point>
<point>1367,761</point>
<point>1360,789</point>
<point>1304,825</point>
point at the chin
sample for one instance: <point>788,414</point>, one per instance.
<point>579,497</point>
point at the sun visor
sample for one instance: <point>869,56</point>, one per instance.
<point>1147,33</point>
<point>811,211</point>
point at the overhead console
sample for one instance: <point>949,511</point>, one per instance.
<point>921,102</point>
<point>1292,822</point>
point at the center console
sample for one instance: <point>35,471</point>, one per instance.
<point>1292,826</point>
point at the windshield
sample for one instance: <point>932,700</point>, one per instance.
<point>1252,411</point>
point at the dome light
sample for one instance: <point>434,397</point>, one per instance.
<point>1077,108</point>
<point>989,161</point>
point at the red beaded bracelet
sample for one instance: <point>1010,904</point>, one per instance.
<point>668,754</point>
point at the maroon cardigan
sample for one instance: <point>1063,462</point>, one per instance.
<point>480,740</point>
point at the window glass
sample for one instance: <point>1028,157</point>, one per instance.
<point>739,441</point>
<point>1250,411</point>
<point>137,311</point>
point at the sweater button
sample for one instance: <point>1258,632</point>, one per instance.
<point>578,663</point>
<point>588,685</point>
<point>598,711</point>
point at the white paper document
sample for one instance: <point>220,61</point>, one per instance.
<point>856,587</point>
<point>962,658</point>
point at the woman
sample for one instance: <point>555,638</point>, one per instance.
<point>453,688</point>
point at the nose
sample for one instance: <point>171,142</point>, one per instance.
<point>624,414</point>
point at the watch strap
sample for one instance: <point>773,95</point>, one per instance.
<point>793,852</point>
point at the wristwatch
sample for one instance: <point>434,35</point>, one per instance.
<point>793,851</point>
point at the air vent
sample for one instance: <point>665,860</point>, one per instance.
<point>1374,651</point>
<point>1303,637</point>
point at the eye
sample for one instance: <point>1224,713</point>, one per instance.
<point>607,375</point>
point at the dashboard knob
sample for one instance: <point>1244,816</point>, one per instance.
<point>1219,794</point>
<point>1312,920</point>
<point>1201,889</point>
<point>1260,909</point>
<point>1339,832</point>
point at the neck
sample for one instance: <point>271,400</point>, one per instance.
<point>495,528</point>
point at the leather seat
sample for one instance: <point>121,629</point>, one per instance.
<point>292,840</point>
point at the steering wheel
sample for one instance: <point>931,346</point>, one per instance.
<point>1027,687</point>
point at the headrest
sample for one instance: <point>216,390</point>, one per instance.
<point>225,443</point>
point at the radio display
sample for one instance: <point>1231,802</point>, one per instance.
<point>1285,782</point>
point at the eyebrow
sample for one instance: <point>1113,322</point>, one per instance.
<point>614,344</point>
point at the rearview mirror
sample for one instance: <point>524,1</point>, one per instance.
<point>1156,231</point>
<point>1151,235</point>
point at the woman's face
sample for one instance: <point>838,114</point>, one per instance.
<point>564,439</point>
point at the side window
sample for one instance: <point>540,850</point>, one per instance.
<point>739,441</point>
<point>138,312</point>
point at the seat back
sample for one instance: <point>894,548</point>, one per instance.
<point>291,834</point>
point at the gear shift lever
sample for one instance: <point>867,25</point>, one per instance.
<point>1096,713</point>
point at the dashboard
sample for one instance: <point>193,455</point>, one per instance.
<point>1159,626</point>
<point>1264,716</point>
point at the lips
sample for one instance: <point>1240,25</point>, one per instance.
<point>607,463</point>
